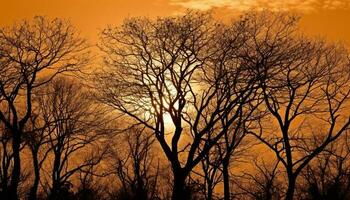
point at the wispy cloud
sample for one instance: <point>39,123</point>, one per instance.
<point>302,5</point>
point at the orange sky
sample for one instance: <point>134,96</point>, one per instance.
<point>330,18</point>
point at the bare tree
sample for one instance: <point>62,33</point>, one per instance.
<point>210,172</point>
<point>263,184</point>
<point>231,147</point>
<point>36,136</point>
<point>136,165</point>
<point>328,176</point>
<point>89,187</point>
<point>167,75</point>
<point>6,157</point>
<point>75,123</point>
<point>32,53</point>
<point>305,83</point>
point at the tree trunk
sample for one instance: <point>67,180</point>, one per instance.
<point>16,173</point>
<point>226,177</point>
<point>141,189</point>
<point>4,194</point>
<point>34,188</point>
<point>291,188</point>
<point>56,176</point>
<point>5,181</point>
<point>55,191</point>
<point>179,191</point>
<point>210,192</point>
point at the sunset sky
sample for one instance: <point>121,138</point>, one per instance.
<point>217,104</point>
<point>329,18</point>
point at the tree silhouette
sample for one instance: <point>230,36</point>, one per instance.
<point>75,123</point>
<point>327,177</point>
<point>177,104</point>
<point>262,184</point>
<point>27,50</point>
<point>135,167</point>
<point>305,84</point>
<point>36,136</point>
<point>170,67</point>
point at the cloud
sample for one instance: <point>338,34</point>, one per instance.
<point>301,5</point>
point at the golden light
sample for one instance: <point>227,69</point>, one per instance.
<point>168,122</point>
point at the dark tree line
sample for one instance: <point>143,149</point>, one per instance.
<point>183,107</point>
<point>32,54</point>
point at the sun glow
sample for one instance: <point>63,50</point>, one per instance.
<point>168,122</point>
<point>150,114</point>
